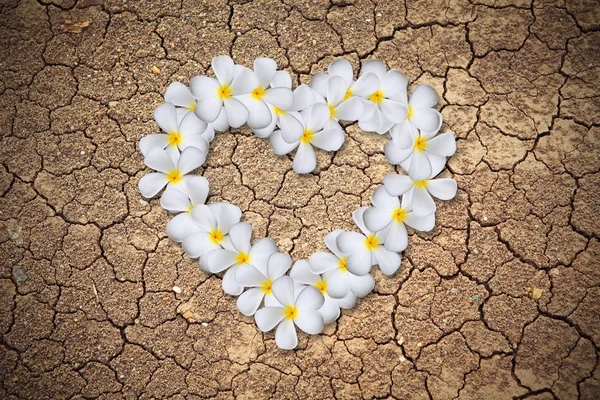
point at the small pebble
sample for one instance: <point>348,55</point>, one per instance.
<point>177,289</point>
<point>204,324</point>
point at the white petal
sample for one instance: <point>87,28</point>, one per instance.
<point>208,110</point>
<point>375,66</point>
<point>420,223</point>
<point>424,96</point>
<point>360,262</point>
<point>240,235</point>
<point>393,111</point>
<point>359,220</point>
<point>175,201</point>
<point>377,219</point>
<point>220,124</point>
<point>304,98</point>
<point>265,69</point>
<point>372,123</point>
<point>250,300</point>
<point>382,200</point>
<point>179,227</point>
<point>396,239</point>
<point>203,216</point>
<point>395,154</point>
<point>244,81</point>
<point>426,119</point>
<point>237,113</point>
<point>336,90</point>
<point>259,114</point>
<point>151,184</point>
<point>404,135</point>
<point>278,265</point>
<point>283,290</point>
<point>280,146</point>
<point>223,68</point>
<point>302,273</point>
<point>149,142</point>
<point>388,261</point>
<point>305,160</point>
<point>346,302</point>
<point>330,242</point>
<point>191,158</point>
<point>342,67</point>
<point>350,110</point>
<point>338,284</point>
<point>178,94</point>
<point>197,189</point>
<point>285,335</point>
<point>422,203</point>
<point>159,160</point>
<point>318,115</point>
<point>191,125</point>
<point>442,145</point>
<point>361,285</point>
<point>420,167</point>
<point>197,244</point>
<point>267,130</point>
<point>282,79</point>
<point>220,259</point>
<point>438,163</point>
<point>330,310</point>
<point>329,139</point>
<point>443,188</point>
<point>393,83</point>
<point>318,83</point>
<point>204,87</point>
<point>310,298</point>
<point>165,116</point>
<point>249,276</point>
<point>268,317</point>
<point>366,84</point>
<point>397,185</point>
<point>197,141</point>
<point>350,242</point>
<point>321,262</point>
<point>310,321</point>
<point>226,214</point>
<point>282,98</point>
<point>291,128</point>
<point>229,282</point>
<point>261,251</point>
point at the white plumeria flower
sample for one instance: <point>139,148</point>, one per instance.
<point>313,134</point>
<point>387,214</point>
<point>212,227</point>
<point>178,136</point>
<point>365,250</point>
<point>170,173</point>
<point>262,96</point>
<point>183,202</point>
<point>288,120</point>
<point>421,114</point>
<point>419,153</point>
<point>217,95</point>
<point>381,111</point>
<point>418,193</point>
<point>330,311</point>
<point>341,106</point>
<point>341,280</point>
<point>295,309</point>
<point>260,283</point>
<point>179,94</point>
<point>238,253</point>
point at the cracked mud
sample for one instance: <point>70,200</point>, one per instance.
<point>500,301</point>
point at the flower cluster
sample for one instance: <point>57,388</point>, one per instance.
<point>309,293</point>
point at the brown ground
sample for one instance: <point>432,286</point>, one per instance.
<point>501,300</point>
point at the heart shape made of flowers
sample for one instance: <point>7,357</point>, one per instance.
<point>309,293</point>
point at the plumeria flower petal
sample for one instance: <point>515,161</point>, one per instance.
<point>389,214</point>
<point>170,174</point>
<point>421,154</point>
<point>418,193</point>
<point>300,311</point>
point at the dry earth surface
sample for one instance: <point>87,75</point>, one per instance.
<point>500,301</point>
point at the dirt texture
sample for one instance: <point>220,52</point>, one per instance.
<point>501,300</point>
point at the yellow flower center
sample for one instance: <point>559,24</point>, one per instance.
<point>190,208</point>
<point>266,286</point>
<point>410,112</point>
<point>290,312</point>
<point>376,97</point>
<point>421,184</point>
<point>258,93</point>
<point>348,94</point>
<point>307,136</point>
<point>174,139</point>
<point>174,176</point>
<point>278,111</point>
<point>399,214</point>
<point>331,111</point>
<point>192,106</point>
<point>224,92</point>
<point>216,236</point>
<point>371,242</point>
<point>342,264</point>
<point>420,144</point>
<point>242,258</point>
<point>322,286</point>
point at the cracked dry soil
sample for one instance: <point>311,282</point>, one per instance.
<point>500,301</point>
